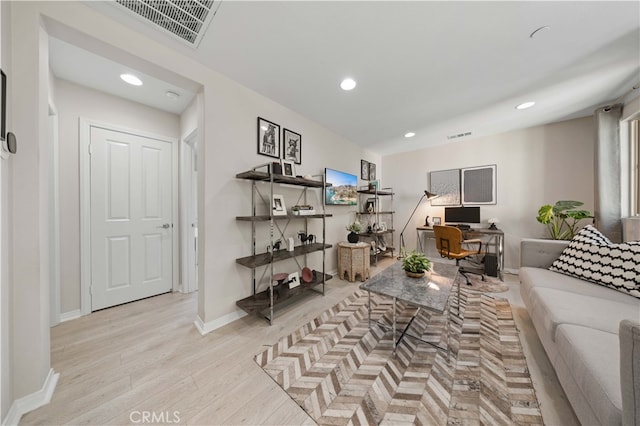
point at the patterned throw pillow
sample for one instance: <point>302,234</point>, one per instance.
<point>593,257</point>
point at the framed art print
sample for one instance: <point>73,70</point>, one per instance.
<point>479,185</point>
<point>268,138</point>
<point>372,171</point>
<point>446,183</point>
<point>278,206</point>
<point>292,146</point>
<point>288,168</point>
<point>364,170</point>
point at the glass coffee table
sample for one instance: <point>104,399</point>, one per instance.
<point>430,292</point>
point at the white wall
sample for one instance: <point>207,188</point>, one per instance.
<point>74,102</point>
<point>535,166</point>
<point>227,145</point>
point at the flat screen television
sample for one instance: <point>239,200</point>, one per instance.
<point>462,214</point>
<point>343,190</point>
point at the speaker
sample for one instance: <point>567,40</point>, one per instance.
<point>491,264</point>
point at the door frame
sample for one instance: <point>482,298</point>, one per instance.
<point>54,218</point>
<point>85,205</point>
<point>186,201</point>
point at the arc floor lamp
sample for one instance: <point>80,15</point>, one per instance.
<point>429,196</point>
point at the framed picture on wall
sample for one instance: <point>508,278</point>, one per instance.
<point>437,221</point>
<point>364,170</point>
<point>372,171</point>
<point>479,185</point>
<point>445,183</point>
<point>292,146</point>
<point>268,138</point>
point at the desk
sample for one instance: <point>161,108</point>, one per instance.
<point>490,237</point>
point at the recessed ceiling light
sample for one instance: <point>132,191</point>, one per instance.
<point>525,105</point>
<point>131,79</point>
<point>172,95</point>
<point>409,134</point>
<point>348,84</point>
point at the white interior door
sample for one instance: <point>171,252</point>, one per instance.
<point>131,217</point>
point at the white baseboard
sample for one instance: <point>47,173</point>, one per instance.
<point>205,328</point>
<point>511,271</point>
<point>71,315</point>
<point>32,401</point>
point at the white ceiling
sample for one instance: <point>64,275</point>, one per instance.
<point>434,68</point>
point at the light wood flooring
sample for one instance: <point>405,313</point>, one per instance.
<point>147,356</point>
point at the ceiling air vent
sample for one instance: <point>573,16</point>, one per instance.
<point>186,19</point>
<point>459,135</point>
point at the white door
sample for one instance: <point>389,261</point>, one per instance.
<point>131,224</point>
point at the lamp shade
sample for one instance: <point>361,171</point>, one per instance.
<point>430,195</point>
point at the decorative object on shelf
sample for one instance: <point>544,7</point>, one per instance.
<point>303,210</point>
<point>278,206</point>
<point>275,168</point>
<point>364,170</point>
<point>304,238</point>
<point>430,196</point>
<point>291,244</point>
<point>293,279</point>
<point>382,227</point>
<point>370,206</point>
<point>415,264</point>
<point>354,229</point>
<point>292,146</point>
<point>382,244</point>
<point>492,223</point>
<point>373,185</point>
<point>276,246</point>
<point>426,221</point>
<point>562,218</point>
<point>288,168</point>
<point>268,138</point>
<point>437,220</point>
<point>372,171</point>
<point>307,275</point>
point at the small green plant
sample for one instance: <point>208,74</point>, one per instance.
<point>355,227</point>
<point>562,218</point>
<point>416,262</point>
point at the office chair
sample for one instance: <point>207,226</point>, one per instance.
<point>449,244</point>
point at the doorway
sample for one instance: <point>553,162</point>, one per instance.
<point>189,213</point>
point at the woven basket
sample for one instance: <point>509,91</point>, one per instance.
<point>414,274</point>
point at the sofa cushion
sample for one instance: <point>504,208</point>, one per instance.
<point>538,277</point>
<point>556,307</point>
<point>593,360</point>
<point>592,257</point>
<point>630,371</point>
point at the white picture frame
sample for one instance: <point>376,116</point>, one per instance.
<point>288,168</point>
<point>294,280</point>
<point>278,207</point>
<point>383,226</point>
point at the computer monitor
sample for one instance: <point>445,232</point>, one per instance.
<point>462,214</point>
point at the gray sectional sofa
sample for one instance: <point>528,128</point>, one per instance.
<point>591,334</point>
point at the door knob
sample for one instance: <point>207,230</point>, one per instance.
<point>165,226</point>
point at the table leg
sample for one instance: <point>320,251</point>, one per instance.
<point>394,324</point>
<point>369,310</point>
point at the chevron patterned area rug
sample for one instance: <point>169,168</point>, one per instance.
<point>341,373</point>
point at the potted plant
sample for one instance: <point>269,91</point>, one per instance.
<point>415,264</point>
<point>562,218</point>
<point>354,229</point>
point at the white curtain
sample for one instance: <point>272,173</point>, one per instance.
<point>608,172</point>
